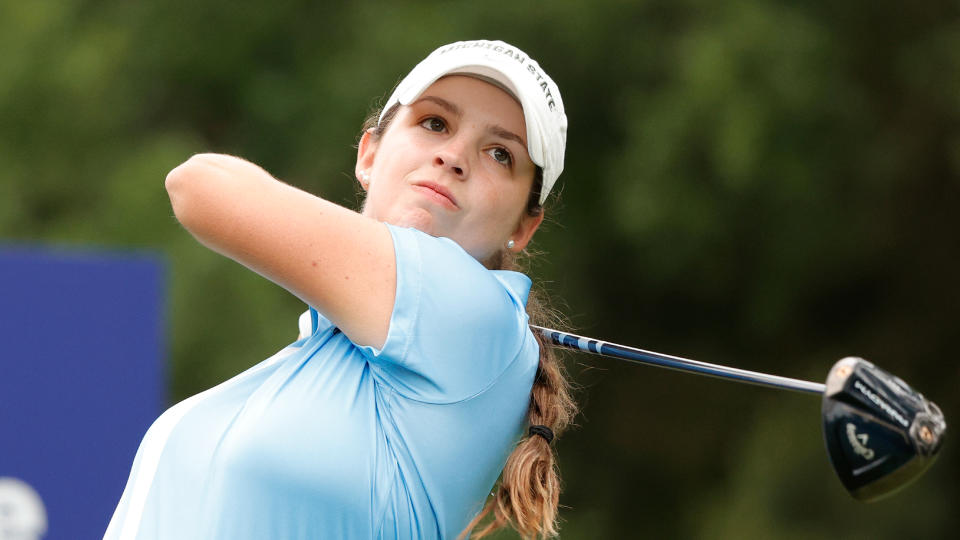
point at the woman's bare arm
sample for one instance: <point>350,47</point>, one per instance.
<point>332,258</point>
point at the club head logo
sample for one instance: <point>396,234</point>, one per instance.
<point>858,441</point>
<point>22,514</point>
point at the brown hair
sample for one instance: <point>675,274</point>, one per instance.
<point>527,496</point>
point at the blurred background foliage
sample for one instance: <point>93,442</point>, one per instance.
<point>769,184</point>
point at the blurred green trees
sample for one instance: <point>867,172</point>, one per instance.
<point>767,184</point>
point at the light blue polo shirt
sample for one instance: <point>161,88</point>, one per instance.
<point>330,440</point>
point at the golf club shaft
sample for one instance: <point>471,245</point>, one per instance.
<point>640,356</point>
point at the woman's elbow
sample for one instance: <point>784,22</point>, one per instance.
<point>185,186</point>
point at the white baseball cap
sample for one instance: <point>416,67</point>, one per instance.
<point>517,73</point>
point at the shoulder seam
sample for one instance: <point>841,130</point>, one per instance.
<point>478,393</point>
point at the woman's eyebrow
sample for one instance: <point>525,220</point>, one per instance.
<point>450,107</point>
<point>504,133</point>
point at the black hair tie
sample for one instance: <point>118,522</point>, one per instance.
<point>542,431</point>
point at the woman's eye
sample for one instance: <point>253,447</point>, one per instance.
<point>501,155</point>
<point>434,124</point>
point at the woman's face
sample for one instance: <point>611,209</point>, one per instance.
<point>454,163</point>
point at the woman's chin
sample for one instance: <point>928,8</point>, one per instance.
<point>415,218</point>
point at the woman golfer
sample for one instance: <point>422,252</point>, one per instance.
<point>416,382</point>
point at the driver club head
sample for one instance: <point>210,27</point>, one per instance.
<point>880,433</point>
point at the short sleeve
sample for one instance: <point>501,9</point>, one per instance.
<point>455,326</point>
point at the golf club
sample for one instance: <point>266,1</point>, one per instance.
<point>880,433</point>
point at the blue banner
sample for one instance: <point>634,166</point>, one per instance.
<point>81,380</point>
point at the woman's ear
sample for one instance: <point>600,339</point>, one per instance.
<point>524,231</point>
<point>366,151</point>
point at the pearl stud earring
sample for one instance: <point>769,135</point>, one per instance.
<point>510,244</point>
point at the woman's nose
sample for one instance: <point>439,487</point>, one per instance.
<point>453,157</point>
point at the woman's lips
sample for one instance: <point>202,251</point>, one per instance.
<point>438,193</point>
